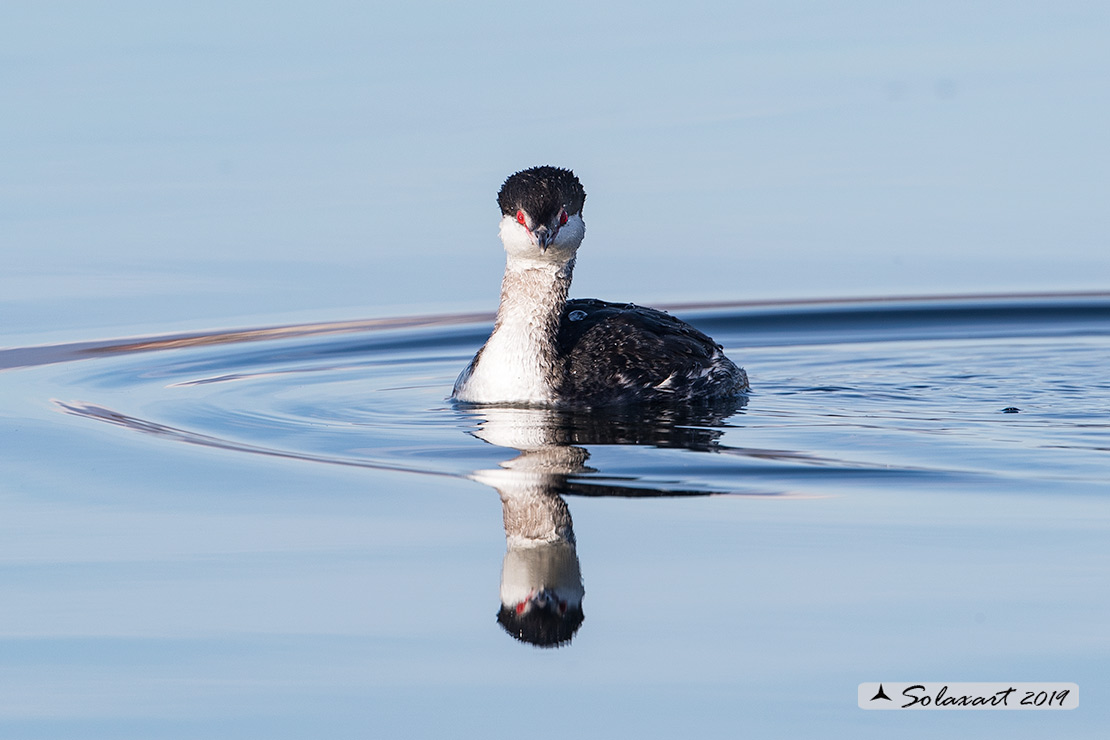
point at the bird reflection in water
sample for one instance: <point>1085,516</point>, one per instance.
<point>541,580</point>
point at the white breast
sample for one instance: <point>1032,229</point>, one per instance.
<point>505,372</point>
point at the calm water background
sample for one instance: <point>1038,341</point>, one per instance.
<point>280,538</point>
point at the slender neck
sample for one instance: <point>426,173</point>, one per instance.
<point>524,338</point>
<point>533,295</point>
<point>519,363</point>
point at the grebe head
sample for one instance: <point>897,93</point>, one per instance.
<point>541,215</point>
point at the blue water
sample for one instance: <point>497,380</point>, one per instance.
<point>267,531</point>
<point>247,248</point>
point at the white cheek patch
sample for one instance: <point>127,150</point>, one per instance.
<point>571,233</point>
<point>522,246</point>
<point>515,237</point>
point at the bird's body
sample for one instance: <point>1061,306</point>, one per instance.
<point>548,351</point>
<point>621,353</point>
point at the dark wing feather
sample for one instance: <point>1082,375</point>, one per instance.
<point>619,353</point>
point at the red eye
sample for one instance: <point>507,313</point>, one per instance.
<point>520,218</point>
<point>562,218</point>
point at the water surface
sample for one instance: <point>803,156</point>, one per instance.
<point>292,526</point>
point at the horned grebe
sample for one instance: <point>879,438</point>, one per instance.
<point>548,351</point>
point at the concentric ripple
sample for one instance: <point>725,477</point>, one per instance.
<point>846,395</point>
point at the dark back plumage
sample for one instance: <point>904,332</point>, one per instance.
<point>618,353</point>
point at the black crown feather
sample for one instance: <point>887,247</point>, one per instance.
<point>542,192</point>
